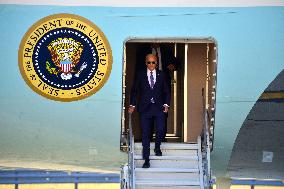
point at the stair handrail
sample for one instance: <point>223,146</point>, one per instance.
<point>206,145</point>
<point>131,171</point>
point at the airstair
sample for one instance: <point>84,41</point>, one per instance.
<point>182,165</point>
<point>179,167</point>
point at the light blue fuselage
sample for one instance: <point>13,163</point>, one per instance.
<point>87,132</point>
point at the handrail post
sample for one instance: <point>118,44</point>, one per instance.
<point>205,144</point>
<point>131,165</point>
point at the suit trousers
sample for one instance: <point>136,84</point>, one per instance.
<point>146,118</point>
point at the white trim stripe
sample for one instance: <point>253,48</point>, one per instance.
<point>150,3</point>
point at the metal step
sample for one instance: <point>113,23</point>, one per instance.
<point>163,187</point>
<point>173,170</point>
<point>169,145</point>
<point>158,184</point>
<point>169,163</point>
<point>171,152</point>
<point>167,174</point>
<point>139,157</point>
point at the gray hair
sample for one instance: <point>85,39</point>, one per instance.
<point>150,55</point>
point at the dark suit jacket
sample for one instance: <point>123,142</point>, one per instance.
<point>160,92</point>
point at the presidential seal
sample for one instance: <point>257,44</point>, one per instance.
<point>65,57</point>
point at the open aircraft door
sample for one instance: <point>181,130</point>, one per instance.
<point>196,72</point>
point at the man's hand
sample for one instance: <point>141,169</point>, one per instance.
<point>171,67</point>
<point>166,109</point>
<point>131,109</point>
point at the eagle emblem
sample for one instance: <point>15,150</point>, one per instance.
<point>65,54</point>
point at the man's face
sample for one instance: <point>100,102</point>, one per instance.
<point>151,62</point>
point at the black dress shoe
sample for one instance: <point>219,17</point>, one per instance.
<point>158,152</point>
<point>146,164</point>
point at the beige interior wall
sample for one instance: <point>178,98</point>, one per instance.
<point>196,69</point>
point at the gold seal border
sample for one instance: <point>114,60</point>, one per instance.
<point>73,16</point>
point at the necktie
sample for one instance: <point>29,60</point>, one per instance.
<point>152,85</point>
<point>151,80</point>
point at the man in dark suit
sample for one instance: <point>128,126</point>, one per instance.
<point>166,62</point>
<point>151,85</point>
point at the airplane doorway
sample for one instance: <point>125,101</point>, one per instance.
<point>196,72</point>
